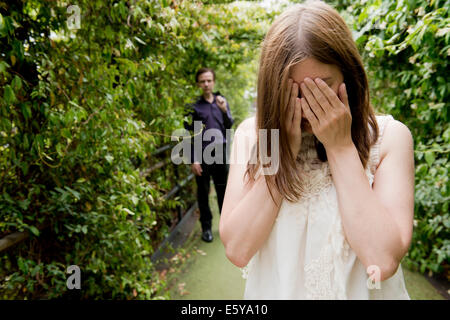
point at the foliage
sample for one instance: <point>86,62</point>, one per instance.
<point>405,45</point>
<point>81,111</point>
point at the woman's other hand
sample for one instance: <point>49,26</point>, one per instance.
<point>294,117</point>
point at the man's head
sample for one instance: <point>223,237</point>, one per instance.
<point>205,78</point>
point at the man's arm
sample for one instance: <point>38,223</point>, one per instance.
<point>223,105</point>
<point>227,118</point>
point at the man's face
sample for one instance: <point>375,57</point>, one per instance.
<point>206,82</point>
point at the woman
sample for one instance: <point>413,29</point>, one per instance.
<point>336,218</point>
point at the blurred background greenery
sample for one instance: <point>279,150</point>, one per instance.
<point>90,89</point>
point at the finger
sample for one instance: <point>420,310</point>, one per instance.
<point>329,94</point>
<point>322,101</point>
<point>343,96</point>
<point>297,114</point>
<point>312,103</point>
<point>309,114</point>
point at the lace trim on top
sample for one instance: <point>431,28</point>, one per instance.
<point>246,270</point>
<point>375,150</point>
<point>319,282</point>
<point>318,276</point>
<point>316,174</point>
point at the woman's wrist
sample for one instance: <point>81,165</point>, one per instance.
<point>339,150</point>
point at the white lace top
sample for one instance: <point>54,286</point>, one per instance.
<point>306,255</point>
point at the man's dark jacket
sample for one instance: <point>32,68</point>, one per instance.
<point>211,116</point>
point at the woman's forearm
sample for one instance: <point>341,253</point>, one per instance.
<point>370,230</point>
<point>245,228</point>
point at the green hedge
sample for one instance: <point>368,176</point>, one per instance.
<point>81,111</point>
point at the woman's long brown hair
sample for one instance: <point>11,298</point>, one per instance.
<point>316,30</point>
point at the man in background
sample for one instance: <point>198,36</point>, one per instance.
<point>213,111</point>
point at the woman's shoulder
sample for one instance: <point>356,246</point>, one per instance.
<point>394,135</point>
<point>245,135</point>
<point>247,126</point>
<point>248,123</point>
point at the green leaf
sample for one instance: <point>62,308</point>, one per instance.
<point>429,157</point>
<point>134,199</point>
<point>131,213</point>
<point>59,150</point>
<point>34,230</point>
<point>66,133</point>
<point>16,83</point>
<point>73,192</point>
<point>22,266</point>
<point>9,95</point>
<point>109,158</point>
<point>3,67</point>
<point>2,23</point>
<point>26,110</point>
<point>24,167</point>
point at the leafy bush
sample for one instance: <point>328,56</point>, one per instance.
<point>81,111</point>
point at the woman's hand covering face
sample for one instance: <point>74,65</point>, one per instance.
<point>329,114</point>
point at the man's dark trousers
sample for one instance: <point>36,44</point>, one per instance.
<point>219,174</point>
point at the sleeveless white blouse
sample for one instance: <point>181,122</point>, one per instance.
<point>306,255</point>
